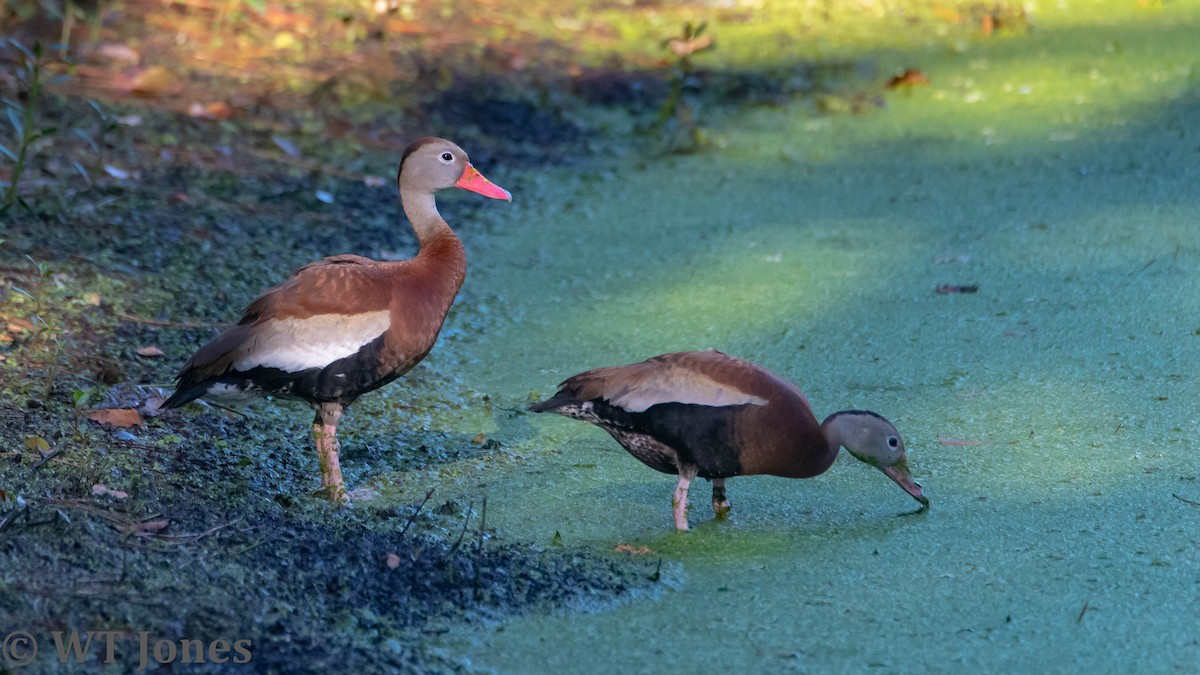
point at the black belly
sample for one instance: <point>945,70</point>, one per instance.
<point>341,381</point>
<point>668,435</point>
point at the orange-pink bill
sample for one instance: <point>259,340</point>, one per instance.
<point>899,473</point>
<point>474,181</point>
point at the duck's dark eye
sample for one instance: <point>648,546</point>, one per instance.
<point>447,157</point>
<point>893,441</point>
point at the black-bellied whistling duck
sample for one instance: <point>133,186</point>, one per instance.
<point>346,325</point>
<point>711,415</point>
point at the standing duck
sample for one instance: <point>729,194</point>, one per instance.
<point>711,415</point>
<point>346,325</point>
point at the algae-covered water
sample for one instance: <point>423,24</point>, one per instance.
<point>1051,415</point>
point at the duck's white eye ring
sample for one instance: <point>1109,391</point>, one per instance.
<point>446,157</point>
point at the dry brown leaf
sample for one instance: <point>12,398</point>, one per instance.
<point>112,51</point>
<point>632,550</point>
<point>150,351</point>
<point>909,78</point>
<point>961,441</point>
<point>219,110</point>
<point>681,48</point>
<point>19,325</point>
<point>153,81</point>
<point>144,528</point>
<point>103,490</point>
<point>116,417</point>
<point>479,439</point>
<point>393,561</point>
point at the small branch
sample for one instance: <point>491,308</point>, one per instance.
<point>413,517</point>
<point>46,458</point>
<point>12,515</point>
<point>165,324</point>
<point>467,521</point>
<point>479,551</point>
<point>1082,612</point>
<point>1185,501</point>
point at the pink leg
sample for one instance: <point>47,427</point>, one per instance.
<point>679,501</point>
<point>325,438</point>
<point>721,505</point>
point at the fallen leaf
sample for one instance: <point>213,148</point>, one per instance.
<point>150,351</point>
<point>152,406</point>
<point>92,299</point>
<point>285,145</point>
<point>37,443</point>
<point>393,561</point>
<point>144,528</point>
<point>129,120</point>
<point>117,417</point>
<point>104,491</point>
<point>219,110</point>
<point>119,174</point>
<point>681,48</point>
<point>152,81</point>
<point>632,550</point>
<point>374,181</point>
<point>112,51</point>
<point>961,441</point>
<point>19,325</point>
<point>947,289</point>
<point>987,24</point>
<point>909,78</point>
<point>479,439</point>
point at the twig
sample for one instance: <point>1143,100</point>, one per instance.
<point>467,521</point>
<point>479,551</point>
<point>46,458</point>
<point>13,516</point>
<point>255,545</point>
<point>413,517</point>
<point>196,536</point>
<point>657,576</point>
<point>1185,501</point>
<point>1082,612</point>
<point>165,324</point>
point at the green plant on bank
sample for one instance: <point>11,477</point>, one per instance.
<point>44,331</point>
<point>20,117</point>
<point>678,113</point>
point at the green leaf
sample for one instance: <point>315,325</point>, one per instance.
<point>83,172</point>
<point>24,49</point>
<point>15,118</point>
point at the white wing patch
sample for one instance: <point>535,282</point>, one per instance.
<point>699,393</point>
<point>294,345</point>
